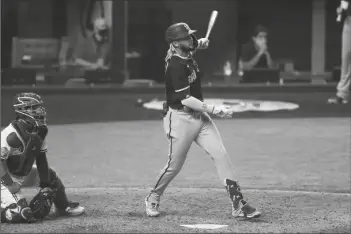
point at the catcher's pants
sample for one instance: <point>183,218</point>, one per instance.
<point>343,88</point>
<point>7,198</point>
<point>182,129</point>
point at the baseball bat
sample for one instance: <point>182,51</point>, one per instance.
<point>211,23</point>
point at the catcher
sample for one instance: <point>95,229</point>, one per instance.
<point>23,144</point>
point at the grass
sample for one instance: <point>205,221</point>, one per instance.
<point>280,154</point>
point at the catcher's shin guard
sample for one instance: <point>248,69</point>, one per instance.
<point>62,204</point>
<point>61,200</point>
<point>240,207</point>
<point>18,212</point>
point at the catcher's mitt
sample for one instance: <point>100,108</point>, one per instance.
<point>42,202</point>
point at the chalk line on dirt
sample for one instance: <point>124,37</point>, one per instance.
<point>193,190</point>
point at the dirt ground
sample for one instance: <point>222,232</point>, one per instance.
<point>295,170</point>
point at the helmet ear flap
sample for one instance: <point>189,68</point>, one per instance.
<point>195,41</point>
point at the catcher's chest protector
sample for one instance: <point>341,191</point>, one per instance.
<point>22,163</point>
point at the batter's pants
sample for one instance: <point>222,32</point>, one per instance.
<point>182,129</point>
<point>343,88</point>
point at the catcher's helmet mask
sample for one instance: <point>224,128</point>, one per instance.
<point>29,107</point>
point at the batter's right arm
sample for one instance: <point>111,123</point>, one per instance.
<point>197,105</point>
<point>178,72</point>
<point>182,89</point>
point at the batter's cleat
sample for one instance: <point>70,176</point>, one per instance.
<point>152,208</point>
<point>337,100</point>
<point>73,209</point>
<point>240,207</point>
<point>246,211</point>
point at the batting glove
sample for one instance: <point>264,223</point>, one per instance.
<point>222,111</point>
<point>203,43</point>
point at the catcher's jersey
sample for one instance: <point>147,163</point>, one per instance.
<point>183,78</point>
<point>19,148</point>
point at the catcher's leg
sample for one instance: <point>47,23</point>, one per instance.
<point>14,208</point>
<point>210,140</point>
<point>62,204</point>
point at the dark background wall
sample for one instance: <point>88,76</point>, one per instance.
<point>289,25</point>
<point>146,25</point>
<point>288,21</point>
<point>333,37</point>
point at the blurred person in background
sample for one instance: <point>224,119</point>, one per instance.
<point>255,53</point>
<point>343,87</point>
<point>92,52</point>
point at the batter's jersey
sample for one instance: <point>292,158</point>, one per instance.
<point>20,148</point>
<point>182,79</point>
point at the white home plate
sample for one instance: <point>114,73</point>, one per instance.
<point>204,226</point>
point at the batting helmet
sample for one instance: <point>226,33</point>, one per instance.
<point>178,31</point>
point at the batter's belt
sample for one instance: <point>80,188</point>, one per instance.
<point>193,113</point>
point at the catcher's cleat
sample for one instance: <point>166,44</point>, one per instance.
<point>73,209</point>
<point>240,207</point>
<point>152,208</point>
<point>337,100</point>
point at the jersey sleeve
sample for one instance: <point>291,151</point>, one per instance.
<point>179,75</point>
<point>5,152</point>
<point>5,148</point>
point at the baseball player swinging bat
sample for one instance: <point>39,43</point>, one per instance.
<point>187,120</point>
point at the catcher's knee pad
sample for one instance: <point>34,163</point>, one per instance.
<point>18,212</point>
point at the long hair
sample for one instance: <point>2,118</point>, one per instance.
<point>170,53</point>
